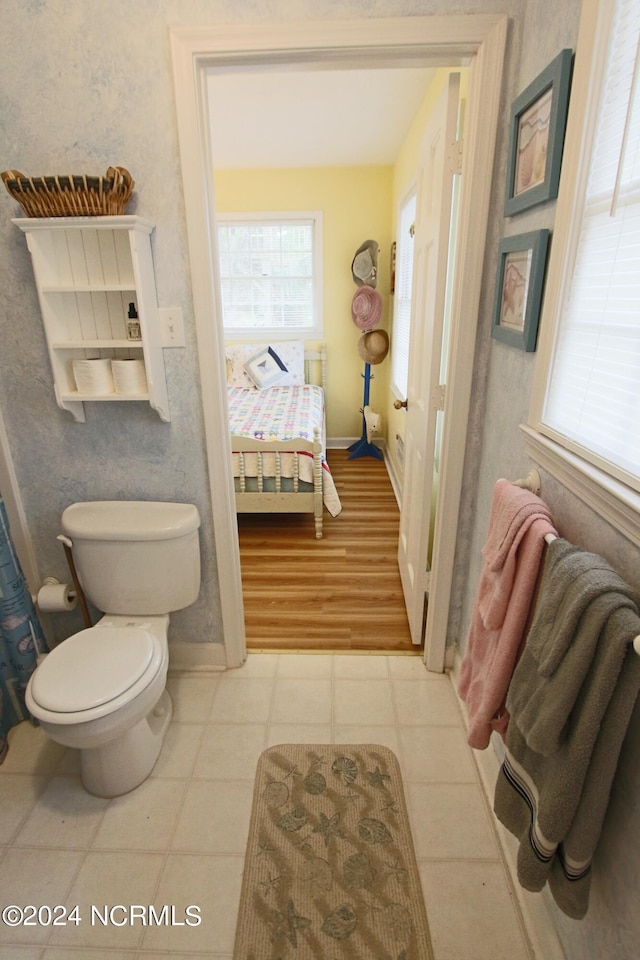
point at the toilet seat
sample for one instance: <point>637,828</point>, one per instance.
<point>95,671</point>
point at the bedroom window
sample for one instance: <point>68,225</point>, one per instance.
<point>586,400</point>
<point>271,274</point>
<point>402,300</point>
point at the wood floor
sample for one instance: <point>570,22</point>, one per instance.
<point>339,593</point>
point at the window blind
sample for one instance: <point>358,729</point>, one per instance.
<point>266,274</point>
<point>402,300</point>
<point>593,394</point>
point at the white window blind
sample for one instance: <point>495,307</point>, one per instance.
<point>402,300</point>
<point>270,274</point>
<point>593,396</point>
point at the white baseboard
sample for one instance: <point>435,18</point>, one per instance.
<point>534,909</point>
<point>343,443</point>
<point>395,480</point>
<point>196,657</point>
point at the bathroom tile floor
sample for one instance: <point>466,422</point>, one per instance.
<point>179,839</point>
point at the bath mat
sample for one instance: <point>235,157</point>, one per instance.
<point>330,871</point>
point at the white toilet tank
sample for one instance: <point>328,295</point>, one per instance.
<point>135,556</point>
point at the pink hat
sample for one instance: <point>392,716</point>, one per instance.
<point>366,308</point>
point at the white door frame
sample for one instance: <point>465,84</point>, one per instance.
<point>449,41</point>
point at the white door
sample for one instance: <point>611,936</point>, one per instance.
<point>425,392</point>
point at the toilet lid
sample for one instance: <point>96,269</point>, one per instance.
<point>92,668</point>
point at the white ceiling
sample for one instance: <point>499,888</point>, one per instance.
<point>270,118</point>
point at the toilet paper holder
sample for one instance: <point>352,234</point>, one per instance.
<point>56,597</point>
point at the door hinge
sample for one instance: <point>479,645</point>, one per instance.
<point>438,396</point>
<point>455,156</point>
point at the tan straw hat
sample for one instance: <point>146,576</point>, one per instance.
<point>373,346</point>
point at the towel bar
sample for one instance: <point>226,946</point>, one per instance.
<point>549,538</point>
<point>533,483</point>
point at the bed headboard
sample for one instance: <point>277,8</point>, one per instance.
<point>315,365</point>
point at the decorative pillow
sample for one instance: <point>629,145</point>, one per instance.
<point>237,355</point>
<point>265,368</point>
<point>291,352</point>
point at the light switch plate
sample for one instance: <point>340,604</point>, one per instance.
<point>171,326</point>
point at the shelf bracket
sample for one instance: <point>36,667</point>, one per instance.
<point>162,412</point>
<point>74,407</point>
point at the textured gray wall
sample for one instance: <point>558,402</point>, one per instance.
<point>495,448</point>
<point>87,85</point>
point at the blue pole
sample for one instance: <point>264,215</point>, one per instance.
<point>362,447</point>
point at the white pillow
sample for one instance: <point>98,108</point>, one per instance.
<point>291,352</point>
<point>237,355</point>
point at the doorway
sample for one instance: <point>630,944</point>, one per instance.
<point>477,42</point>
<point>285,141</point>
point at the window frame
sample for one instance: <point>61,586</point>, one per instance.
<point>264,334</point>
<point>397,390</point>
<point>600,488</point>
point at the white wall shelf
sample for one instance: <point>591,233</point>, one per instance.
<point>87,344</point>
<point>87,271</point>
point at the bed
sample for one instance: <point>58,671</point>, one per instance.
<point>277,427</point>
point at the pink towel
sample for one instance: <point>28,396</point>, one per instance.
<point>512,555</point>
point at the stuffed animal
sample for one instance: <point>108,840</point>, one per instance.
<point>373,423</point>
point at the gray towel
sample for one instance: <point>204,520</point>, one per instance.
<point>578,592</point>
<point>552,793</point>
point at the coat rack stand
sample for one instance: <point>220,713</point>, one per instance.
<point>362,447</point>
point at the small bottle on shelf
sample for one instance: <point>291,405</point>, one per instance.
<point>133,324</point>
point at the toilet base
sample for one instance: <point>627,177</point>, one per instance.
<point>121,765</point>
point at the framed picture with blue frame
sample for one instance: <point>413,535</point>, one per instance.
<point>521,270</point>
<point>538,122</point>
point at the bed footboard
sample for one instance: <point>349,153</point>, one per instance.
<point>268,477</point>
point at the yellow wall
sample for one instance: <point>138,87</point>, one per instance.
<point>356,203</point>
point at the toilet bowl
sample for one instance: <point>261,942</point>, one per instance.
<point>102,692</point>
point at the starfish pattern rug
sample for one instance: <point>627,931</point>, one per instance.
<point>330,871</point>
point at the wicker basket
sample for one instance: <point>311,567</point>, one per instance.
<point>71,196</point>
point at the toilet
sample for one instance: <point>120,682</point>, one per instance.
<point>103,690</point>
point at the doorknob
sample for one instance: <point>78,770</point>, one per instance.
<point>399,404</point>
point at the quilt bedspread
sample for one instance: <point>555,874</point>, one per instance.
<point>279,414</point>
